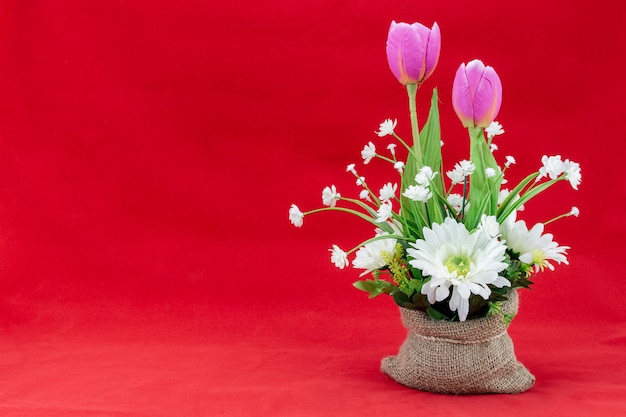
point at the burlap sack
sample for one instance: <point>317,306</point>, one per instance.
<point>471,357</point>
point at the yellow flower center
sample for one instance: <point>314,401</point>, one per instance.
<point>539,259</point>
<point>458,263</point>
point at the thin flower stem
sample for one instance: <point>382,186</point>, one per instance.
<point>376,238</point>
<point>412,92</point>
<point>384,158</point>
<point>359,203</point>
<point>345,210</point>
<point>403,143</point>
<point>464,197</point>
<point>569,213</point>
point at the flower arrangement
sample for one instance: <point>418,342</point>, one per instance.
<point>447,242</point>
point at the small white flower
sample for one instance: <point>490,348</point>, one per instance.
<point>295,216</point>
<point>384,212</point>
<point>368,152</point>
<point>466,263</point>
<point>372,256</point>
<point>365,195</point>
<point>425,175</point>
<point>490,172</point>
<point>494,129</point>
<point>509,161</point>
<point>461,170</point>
<point>417,193</point>
<point>338,257</point>
<point>489,225</point>
<point>456,176</point>
<point>467,167</point>
<point>330,196</point>
<point>574,211</point>
<point>552,167</point>
<point>493,147</point>
<point>399,166</point>
<point>533,248</point>
<point>504,194</point>
<point>360,181</point>
<point>456,201</point>
<point>350,168</point>
<point>392,149</point>
<point>386,128</point>
<point>572,173</point>
<point>440,143</point>
<point>388,192</point>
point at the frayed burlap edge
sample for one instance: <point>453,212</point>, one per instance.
<point>471,357</point>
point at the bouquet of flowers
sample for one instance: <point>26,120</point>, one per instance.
<point>448,244</point>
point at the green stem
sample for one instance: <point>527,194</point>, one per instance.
<point>412,92</point>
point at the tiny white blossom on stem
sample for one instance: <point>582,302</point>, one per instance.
<point>295,216</point>
<point>360,181</point>
<point>384,212</point>
<point>456,201</point>
<point>493,147</point>
<point>365,195</point>
<point>572,173</point>
<point>368,152</point>
<point>461,170</point>
<point>330,196</point>
<point>574,211</point>
<point>425,175</point>
<point>386,127</point>
<point>509,161</point>
<point>399,166</point>
<point>392,149</point>
<point>417,193</point>
<point>552,167</point>
<point>338,257</point>
<point>388,192</point>
<point>440,143</point>
<point>494,129</point>
<point>350,168</point>
<point>490,172</point>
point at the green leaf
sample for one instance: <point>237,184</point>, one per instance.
<point>436,315</point>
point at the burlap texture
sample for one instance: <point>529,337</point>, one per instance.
<point>471,357</point>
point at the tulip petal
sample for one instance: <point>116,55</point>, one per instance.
<point>487,98</point>
<point>433,49</point>
<point>462,97</point>
<point>405,53</point>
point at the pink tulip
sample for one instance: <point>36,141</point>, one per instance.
<point>413,51</point>
<point>476,94</point>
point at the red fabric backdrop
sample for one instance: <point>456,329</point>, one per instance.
<point>149,151</point>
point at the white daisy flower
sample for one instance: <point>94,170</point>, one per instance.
<point>388,192</point>
<point>295,216</point>
<point>372,256</point>
<point>399,166</point>
<point>552,167</point>
<point>386,128</point>
<point>425,175</point>
<point>533,247</point>
<point>338,257</point>
<point>494,129</point>
<point>572,173</point>
<point>368,152</point>
<point>574,211</point>
<point>459,261</point>
<point>384,212</point>
<point>330,196</point>
<point>417,193</point>
<point>509,161</point>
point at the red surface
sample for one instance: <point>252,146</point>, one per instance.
<point>149,151</point>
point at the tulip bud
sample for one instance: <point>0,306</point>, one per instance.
<point>413,51</point>
<point>476,94</point>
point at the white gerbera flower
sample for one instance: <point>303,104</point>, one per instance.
<point>295,216</point>
<point>384,212</point>
<point>338,257</point>
<point>552,167</point>
<point>425,175</point>
<point>388,192</point>
<point>372,256</point>
<point>330,196</point>
<point>418,193</point>
<point>572,173</point>
<point>533,247</point>
<point>386,127</point>
<point>368,152</point>
<point>453,257</point>
<point>399,166</point>
<point>494,129</point>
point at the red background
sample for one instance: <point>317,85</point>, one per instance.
<point>149,152</point>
